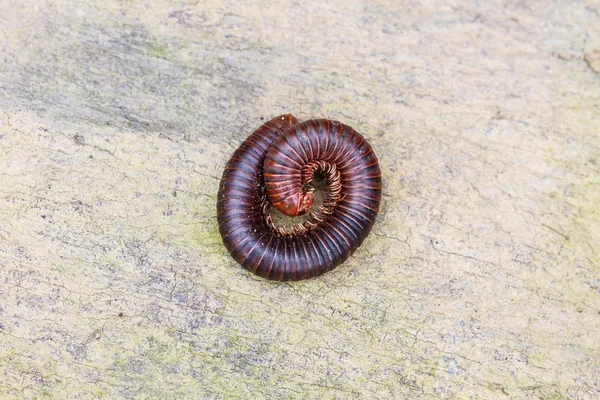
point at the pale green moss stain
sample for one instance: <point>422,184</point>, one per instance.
<point>156,50</point>
<point>203,231</point>
<point>588,216</point>
<point>205,235</point>
<point>582,236</point>
<point>584,232</point>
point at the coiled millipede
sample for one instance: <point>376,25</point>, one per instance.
<point>275,167</point>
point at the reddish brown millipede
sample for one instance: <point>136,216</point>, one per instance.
<point>275,166</point>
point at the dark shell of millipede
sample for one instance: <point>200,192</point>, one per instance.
<point>274,167</point>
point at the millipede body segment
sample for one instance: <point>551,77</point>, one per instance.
<point>275,167</point>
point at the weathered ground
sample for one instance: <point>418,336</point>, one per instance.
<point>481,278</point>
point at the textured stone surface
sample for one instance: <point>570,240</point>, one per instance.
<point>481,278</point>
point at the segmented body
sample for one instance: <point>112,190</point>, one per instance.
<point>275,165</point>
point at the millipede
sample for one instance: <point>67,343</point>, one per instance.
<point>275,167</point>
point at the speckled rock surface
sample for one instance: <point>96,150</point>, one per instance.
<point>481,278</point>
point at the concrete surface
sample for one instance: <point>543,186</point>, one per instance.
<point>481,278</point>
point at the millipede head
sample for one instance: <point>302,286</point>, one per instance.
<point>306,202</point>
<point>296,204</point>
